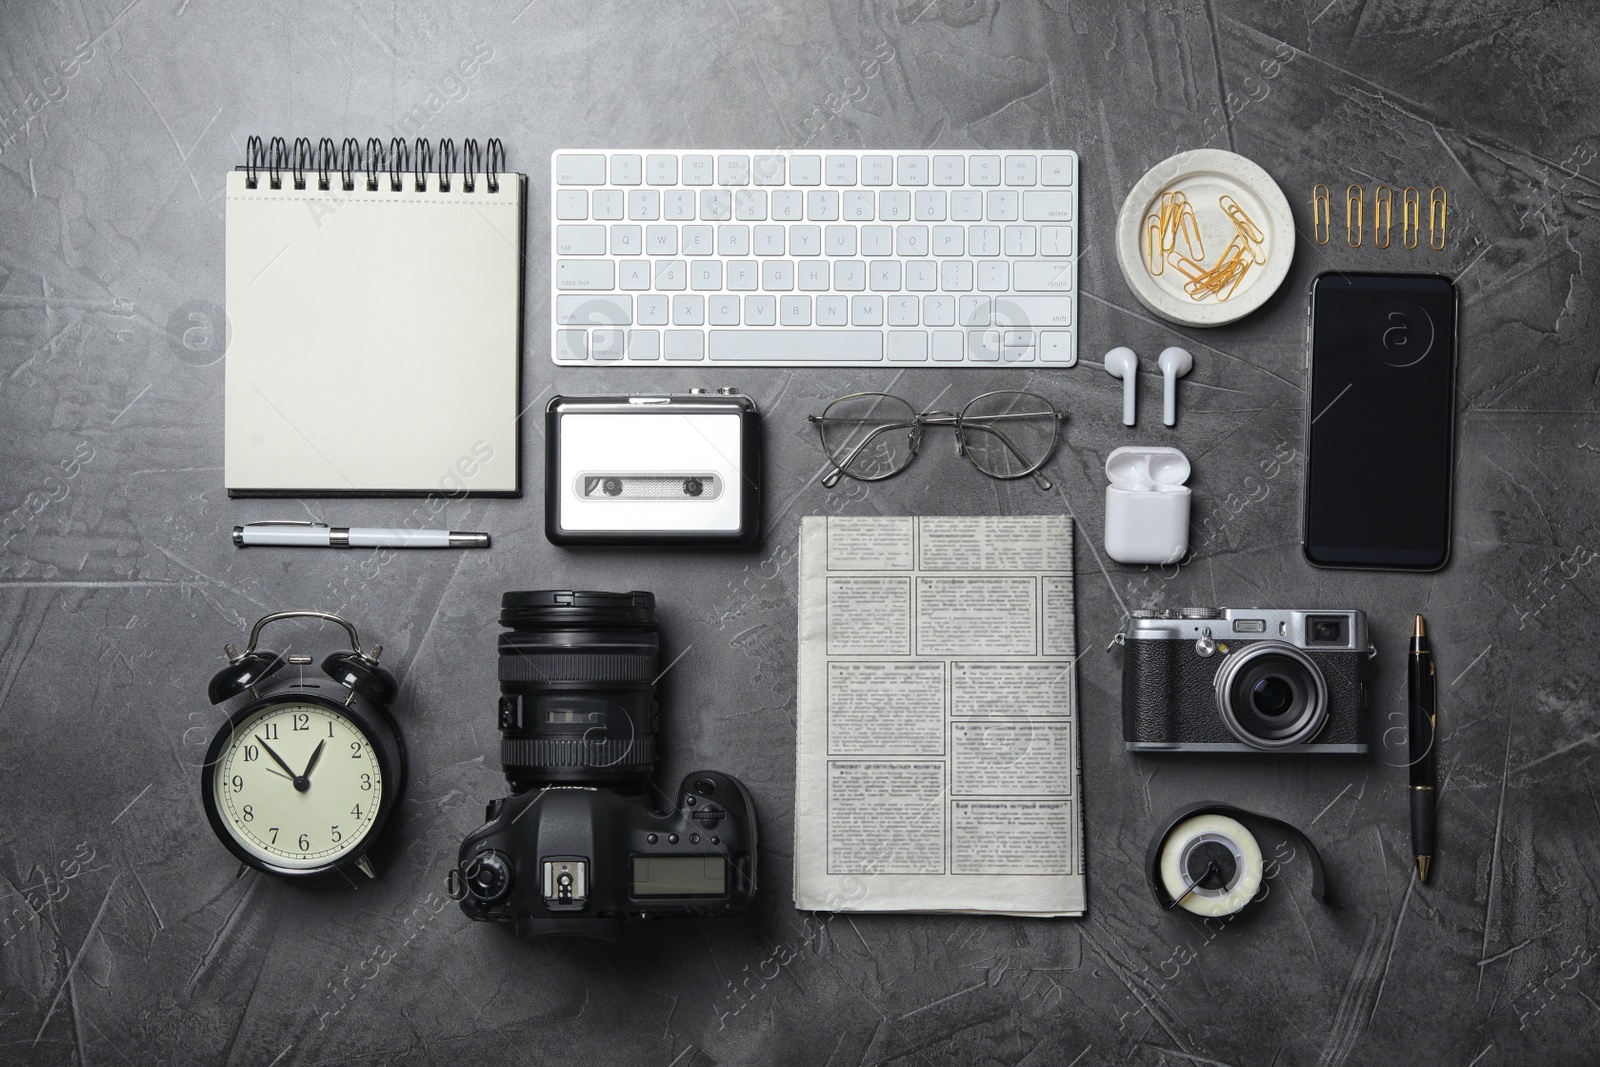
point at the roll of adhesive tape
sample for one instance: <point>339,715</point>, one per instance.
<point>1211,865</point>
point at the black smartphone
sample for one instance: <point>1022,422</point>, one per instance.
<point>1380,421</point>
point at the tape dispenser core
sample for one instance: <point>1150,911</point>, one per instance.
<point>1207,861</point>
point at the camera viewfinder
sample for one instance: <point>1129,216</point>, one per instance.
<point>1327,630</point>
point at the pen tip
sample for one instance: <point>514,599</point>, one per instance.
<point>1420,629</point>
<point>1423,862</point>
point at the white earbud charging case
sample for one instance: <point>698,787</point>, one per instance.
<point>1147,504</point>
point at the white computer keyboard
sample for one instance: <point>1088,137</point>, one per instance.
<point>856,259</point>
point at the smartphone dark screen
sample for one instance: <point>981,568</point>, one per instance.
<point>1381,414</point>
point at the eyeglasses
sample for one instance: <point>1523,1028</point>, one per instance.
<point>873,436</point>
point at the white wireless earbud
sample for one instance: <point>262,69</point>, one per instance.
<point>1174,363</point>
<point>1122,363</point>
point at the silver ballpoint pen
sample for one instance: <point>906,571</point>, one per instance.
<point>301,533</point>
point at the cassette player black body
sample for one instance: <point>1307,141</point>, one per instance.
<point>653,469</point>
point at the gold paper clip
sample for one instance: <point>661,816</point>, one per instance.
<point>1321,215</point>
<point>1438,210</point>
<point>1244,222</point>
<point>1152,246</point>
<point>1191,232</point>
<point>1410,216</point>
<point>1169,229</point>
<point>1353,210</point>
<point>1382,216</point>
<point>1186,266</point>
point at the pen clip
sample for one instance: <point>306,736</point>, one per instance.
<point>289,522</point>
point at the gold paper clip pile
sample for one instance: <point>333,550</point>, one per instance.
<point>1176,222</point>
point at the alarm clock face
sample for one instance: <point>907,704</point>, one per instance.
<point>298,786</point>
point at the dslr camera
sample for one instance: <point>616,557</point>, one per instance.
<point>1234,680</point>
<point>578,848</point>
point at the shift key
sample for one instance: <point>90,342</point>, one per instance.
<point>594,310</point>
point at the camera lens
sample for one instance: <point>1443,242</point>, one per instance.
<point>1271,695</point>
<point>577,678</point>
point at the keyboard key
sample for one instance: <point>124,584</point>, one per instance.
<point>805,170</point>
<point>838,240</point>
<point>949,240</point>
<point>949,170</point>
<point>733,240</point>
<point>1033,311</point>
<point>677,205</point>
<point>866,311</point>
<point>733,170</point>
<point>983,170</point>
<point>1017,338</point>
<point>949,346</point>
<point>849,275</point>
<point>805,240</point>
<point>684,344</point>
<point>572,344</point>
<point>922,275</point>
<point>894,205</point>
<point>581,240</point>
<point>1002,205</point>
<point>716,205</point>
<point>983,240</point>
<point>1021,241</point>
<point>832,310</point>
<point>955,276</point>
<point>901,310</point>
<point>1042,276</point>
<point>884,276</point>
<point>661,169</point>
<point>974,310</point>
<point>794,311</point>
<point>1016,353</point>
<point>912,170</point>
<point>856,205</point>
<point>822,205</point>
<point>572,169</point>
<point>594,308</point>
<point>768,170</point>
<point>966,205</point>
<point>722,310</point>
<point>653,309</point>
<point>1043,206</point>
<point>877,241</point>
<point>769,240</point>
<point>841,170</point>
<point>844,346</point>
<point>929,205</point>
<point>760,311</point>
<point>788,205</point>
<point>983,346</point>
<point>877,170</point>
<point>994,276</point>
<point>908,346</point>
<point>661,240</point>
<point>671,274</point>
<point>586,274</point>
<point>627,240</point>
<point>1055,346</point>
<point>911,240</point>
<point>606,344</point>
<point>644,344</point>
<point>572,203</point>
<point>1022,170</point>
<point>607,204</point>
<point>812,275</point>
<point>1055,241</point>
<point>625,169</point>
<point>644,205</point>
<point>698,170</point>
<point>777,275</point>
<point>698,240</point>
<point>939,310</point>
<point>688,311</point>
<point>705,276</point>
<point>744,275</point>
<point>633,274</point>
<point>750,205</point>
<point>1056,170</point>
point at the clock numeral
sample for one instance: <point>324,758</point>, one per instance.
<point>337,836</point>
<point>251,753</point>
<point>330,727</point>
<point>274,831</point>
<point>272,731</point>
<point>249,816</point>
<point>356,811</point>
<point>355,750</point>
<point>366,783</point>
<point>302,721</point>
<point>305,843</point>
<point>238,783</point>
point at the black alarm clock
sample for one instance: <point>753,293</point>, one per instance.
<point>300,780</point>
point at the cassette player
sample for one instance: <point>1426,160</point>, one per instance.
<point>653,469</point>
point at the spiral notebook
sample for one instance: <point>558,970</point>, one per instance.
<point>374,305</point>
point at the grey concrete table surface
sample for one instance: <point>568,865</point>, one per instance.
<point>125,936</point>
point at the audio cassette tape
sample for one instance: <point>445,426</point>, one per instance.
<point>659,469</point>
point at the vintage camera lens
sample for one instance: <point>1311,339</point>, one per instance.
<point>1272,695</point>
<point>611,487</point>
<point>577,678</point>
<point>693,486</point>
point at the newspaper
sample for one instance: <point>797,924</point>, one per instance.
<point>937,755</point>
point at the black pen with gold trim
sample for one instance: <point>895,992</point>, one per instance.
<point>1424,765</point>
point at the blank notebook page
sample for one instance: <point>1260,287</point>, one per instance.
<point>375,337</point>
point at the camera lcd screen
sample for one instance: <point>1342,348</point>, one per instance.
<point>1381,411</point>
<point>679,876</point>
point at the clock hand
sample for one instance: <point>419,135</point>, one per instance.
<point>280,774</point>
<point>316,754</point>
<point>299,781</point>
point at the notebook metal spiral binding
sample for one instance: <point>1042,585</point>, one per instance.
<point>276,158</point>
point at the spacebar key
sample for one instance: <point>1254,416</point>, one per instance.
<point>781,346</point>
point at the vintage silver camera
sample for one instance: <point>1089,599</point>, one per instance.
<point>1245,680</point>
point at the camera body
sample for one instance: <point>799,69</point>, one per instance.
<point>1245,680</point>
<point>580,860</point>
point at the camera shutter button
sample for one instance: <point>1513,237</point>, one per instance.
<point>1205,646</point>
